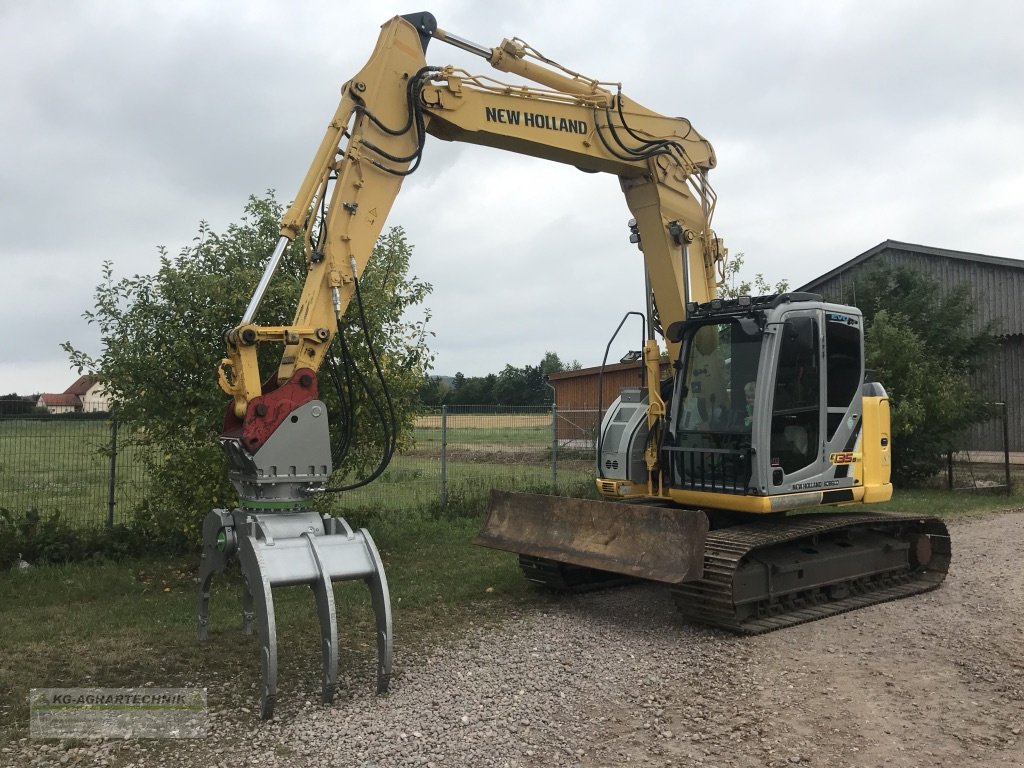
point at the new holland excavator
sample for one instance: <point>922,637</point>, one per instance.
<point>768,410</point>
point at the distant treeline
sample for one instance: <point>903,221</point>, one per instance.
<point>17,405</point>
<point>513,386</point>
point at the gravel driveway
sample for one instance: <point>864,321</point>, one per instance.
<point>615,678</point>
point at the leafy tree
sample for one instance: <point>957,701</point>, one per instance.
<point>162,338</point>
<point>14,404</point>
<point>473,390</point>
<point>920,343</point>
<point>736,285</point>
<point>551,363</point>
<point>434,391</point>
<point>520,386</point>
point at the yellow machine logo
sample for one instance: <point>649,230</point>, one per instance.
<point>846,457</point>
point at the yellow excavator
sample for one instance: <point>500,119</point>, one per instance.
<point>768,410</point>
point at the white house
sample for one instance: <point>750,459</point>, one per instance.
<point>60,403</point>
<point>86,395</point>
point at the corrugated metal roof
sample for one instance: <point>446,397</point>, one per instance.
<point>996,284</point>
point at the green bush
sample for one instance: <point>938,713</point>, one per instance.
<point>49,539</point>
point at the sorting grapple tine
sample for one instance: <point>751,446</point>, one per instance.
<point>214,560</point>
<point>259,587</point>
<point>248,612</point>
<point>327,614</point>
<point>381,600</point>
<point>203,603</point>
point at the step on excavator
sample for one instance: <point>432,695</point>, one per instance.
<point>712,479</point>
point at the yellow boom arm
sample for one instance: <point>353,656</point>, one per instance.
<point>376,136</point>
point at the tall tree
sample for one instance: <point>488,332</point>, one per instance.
<point>162,338</point>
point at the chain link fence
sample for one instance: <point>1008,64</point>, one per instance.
<point>83,470</point>
<point>986,470</point>
<point>88,472</point>
<point>462,452</point>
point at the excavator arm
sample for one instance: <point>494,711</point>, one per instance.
<point>376,138</point>
<point>276,434</point>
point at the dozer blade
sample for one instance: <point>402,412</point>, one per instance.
<point>640,540</point>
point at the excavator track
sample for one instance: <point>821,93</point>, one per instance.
<point>565,577</point>
<point>759,577</point>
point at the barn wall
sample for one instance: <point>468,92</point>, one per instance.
<point>1001,381</point>
<point>997,290</point>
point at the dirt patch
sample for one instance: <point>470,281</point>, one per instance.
<point>933,680</point>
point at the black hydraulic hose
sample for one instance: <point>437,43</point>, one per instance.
<point>389,425</point>
<point>611,150</point>
<point>346,399</point>
<point>641,139</point>
<point>415,117</point>
<point>411,91</point>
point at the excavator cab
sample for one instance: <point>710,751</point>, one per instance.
<point>766,411</point>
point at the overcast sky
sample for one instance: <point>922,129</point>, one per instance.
<point>837,125</point>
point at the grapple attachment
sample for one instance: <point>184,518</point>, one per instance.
<point>283,549</point>
<point>642,540</point>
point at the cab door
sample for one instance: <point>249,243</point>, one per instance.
<point>797,412</point>
<point>844,404</point>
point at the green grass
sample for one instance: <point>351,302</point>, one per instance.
<point>944,503</point>
<point>412,481</point>
<point>131,624</point>
<point>528,431</point>
<point>56,466</point>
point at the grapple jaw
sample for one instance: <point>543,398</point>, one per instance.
<point>276,549</point>
<point>642,540</point>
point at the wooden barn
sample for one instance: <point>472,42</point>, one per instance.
<point>578,403</point>
<point>997,287</point>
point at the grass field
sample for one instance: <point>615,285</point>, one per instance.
<point>133,623</point>
<point>477,421</point>
<point>505,430</point>
<point>413,481</point>
<point>57,466</point>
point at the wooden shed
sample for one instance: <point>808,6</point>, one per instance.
<point>578,402</point>
<point>997,287</point>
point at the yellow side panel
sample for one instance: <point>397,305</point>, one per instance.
<point>873,472</point>
<point>764,505</point>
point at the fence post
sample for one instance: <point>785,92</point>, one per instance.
<point>1006,449</point>
<point>113,474</point>
<point>554,448</point>
<point>444,456</point>
<point>949,468</point>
